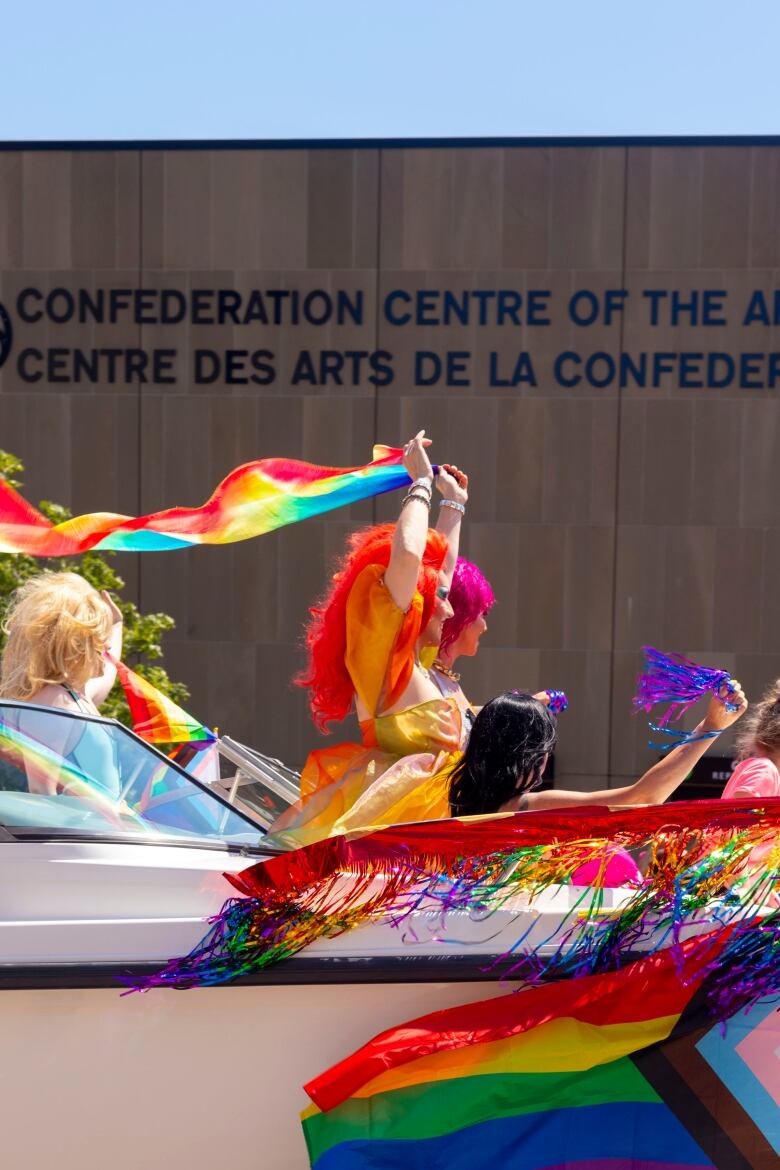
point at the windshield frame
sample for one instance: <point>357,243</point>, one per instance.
<point>20,833</point>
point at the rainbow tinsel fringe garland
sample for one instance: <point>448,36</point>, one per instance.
<point>699,868</point>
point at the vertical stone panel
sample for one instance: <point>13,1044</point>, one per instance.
<point>664,207</point>
<point>760,435</point>
<point>477,206</point>
<point>501,555</point>
<point>94,209</point>
<point>589,569</point>
<point>427,209</point>
<point>764,207</point>
<point>526,208</point>
<point>586,208</point>
<point>725,219</point>
<point>717,462</point>
<point>738,585</point>
<point>187,202</point>
<point>47,201</point>
<point>770,601</point>
<point>331,191</point>
<point>639,598</point>
<point>541,589</point>
<point>689,600</point>
<point>583,744</point>
<point>11,209</point>
<point>520,460</point>
<point>668,480</point>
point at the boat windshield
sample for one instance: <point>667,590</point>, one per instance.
<point>72,773</point>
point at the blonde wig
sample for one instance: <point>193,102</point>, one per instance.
<point>57,626</point>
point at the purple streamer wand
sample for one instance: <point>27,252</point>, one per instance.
<point>673,679</point>
<point>670,678</point>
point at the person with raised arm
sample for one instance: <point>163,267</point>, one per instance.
<point>60,633</point>
<point>58,628</point>
<point>514,734</point>
<point>371,641</point>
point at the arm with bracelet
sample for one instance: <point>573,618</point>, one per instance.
<point>453,485</point>
<point>659,782</point>
<point>411,530</point>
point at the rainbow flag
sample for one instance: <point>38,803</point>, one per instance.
<point>540,1079</point>
<point>255,498</point>
<point>199,759</point>
<point>156,718</point>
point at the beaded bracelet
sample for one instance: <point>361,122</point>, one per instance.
<point>416,495</point>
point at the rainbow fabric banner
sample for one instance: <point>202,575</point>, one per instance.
<point>540,1079</point>
<point>252,500</point>
<point>156,718</point>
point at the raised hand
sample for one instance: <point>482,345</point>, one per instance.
<point>113,608</point>
<point>726,707</point>
<point>453,483</point>
<point>416,460</point>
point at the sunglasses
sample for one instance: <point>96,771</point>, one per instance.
<point>442,592</point>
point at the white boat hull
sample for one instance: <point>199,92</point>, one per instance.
<point>93,1079</point>
<point>196,1080</point>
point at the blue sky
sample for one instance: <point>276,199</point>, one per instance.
<point>92,69</point>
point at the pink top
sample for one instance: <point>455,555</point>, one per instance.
<point>753,778</point>
<point>757,776</point>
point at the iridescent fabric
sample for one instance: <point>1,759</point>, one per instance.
<point>400,771</point>
<point>253,499</point>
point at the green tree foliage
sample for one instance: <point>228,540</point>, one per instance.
<point>142,632</point>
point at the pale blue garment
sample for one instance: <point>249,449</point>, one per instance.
<point>93,751</point>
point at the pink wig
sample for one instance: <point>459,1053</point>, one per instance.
<point>470,595</point>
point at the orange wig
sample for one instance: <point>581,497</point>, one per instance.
<point>330,688</point>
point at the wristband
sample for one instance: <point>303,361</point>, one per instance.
<point>423,481</point>
<point>557,701</point>
<point>416,495</point>
<point>453,504</point>
<point>679,738</point>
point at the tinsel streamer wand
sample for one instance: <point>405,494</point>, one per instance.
<point>676,680</point>
<point>673,679</point>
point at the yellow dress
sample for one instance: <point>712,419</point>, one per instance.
<point>400,771</point>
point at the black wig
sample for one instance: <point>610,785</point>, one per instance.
<point>505,754</point>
